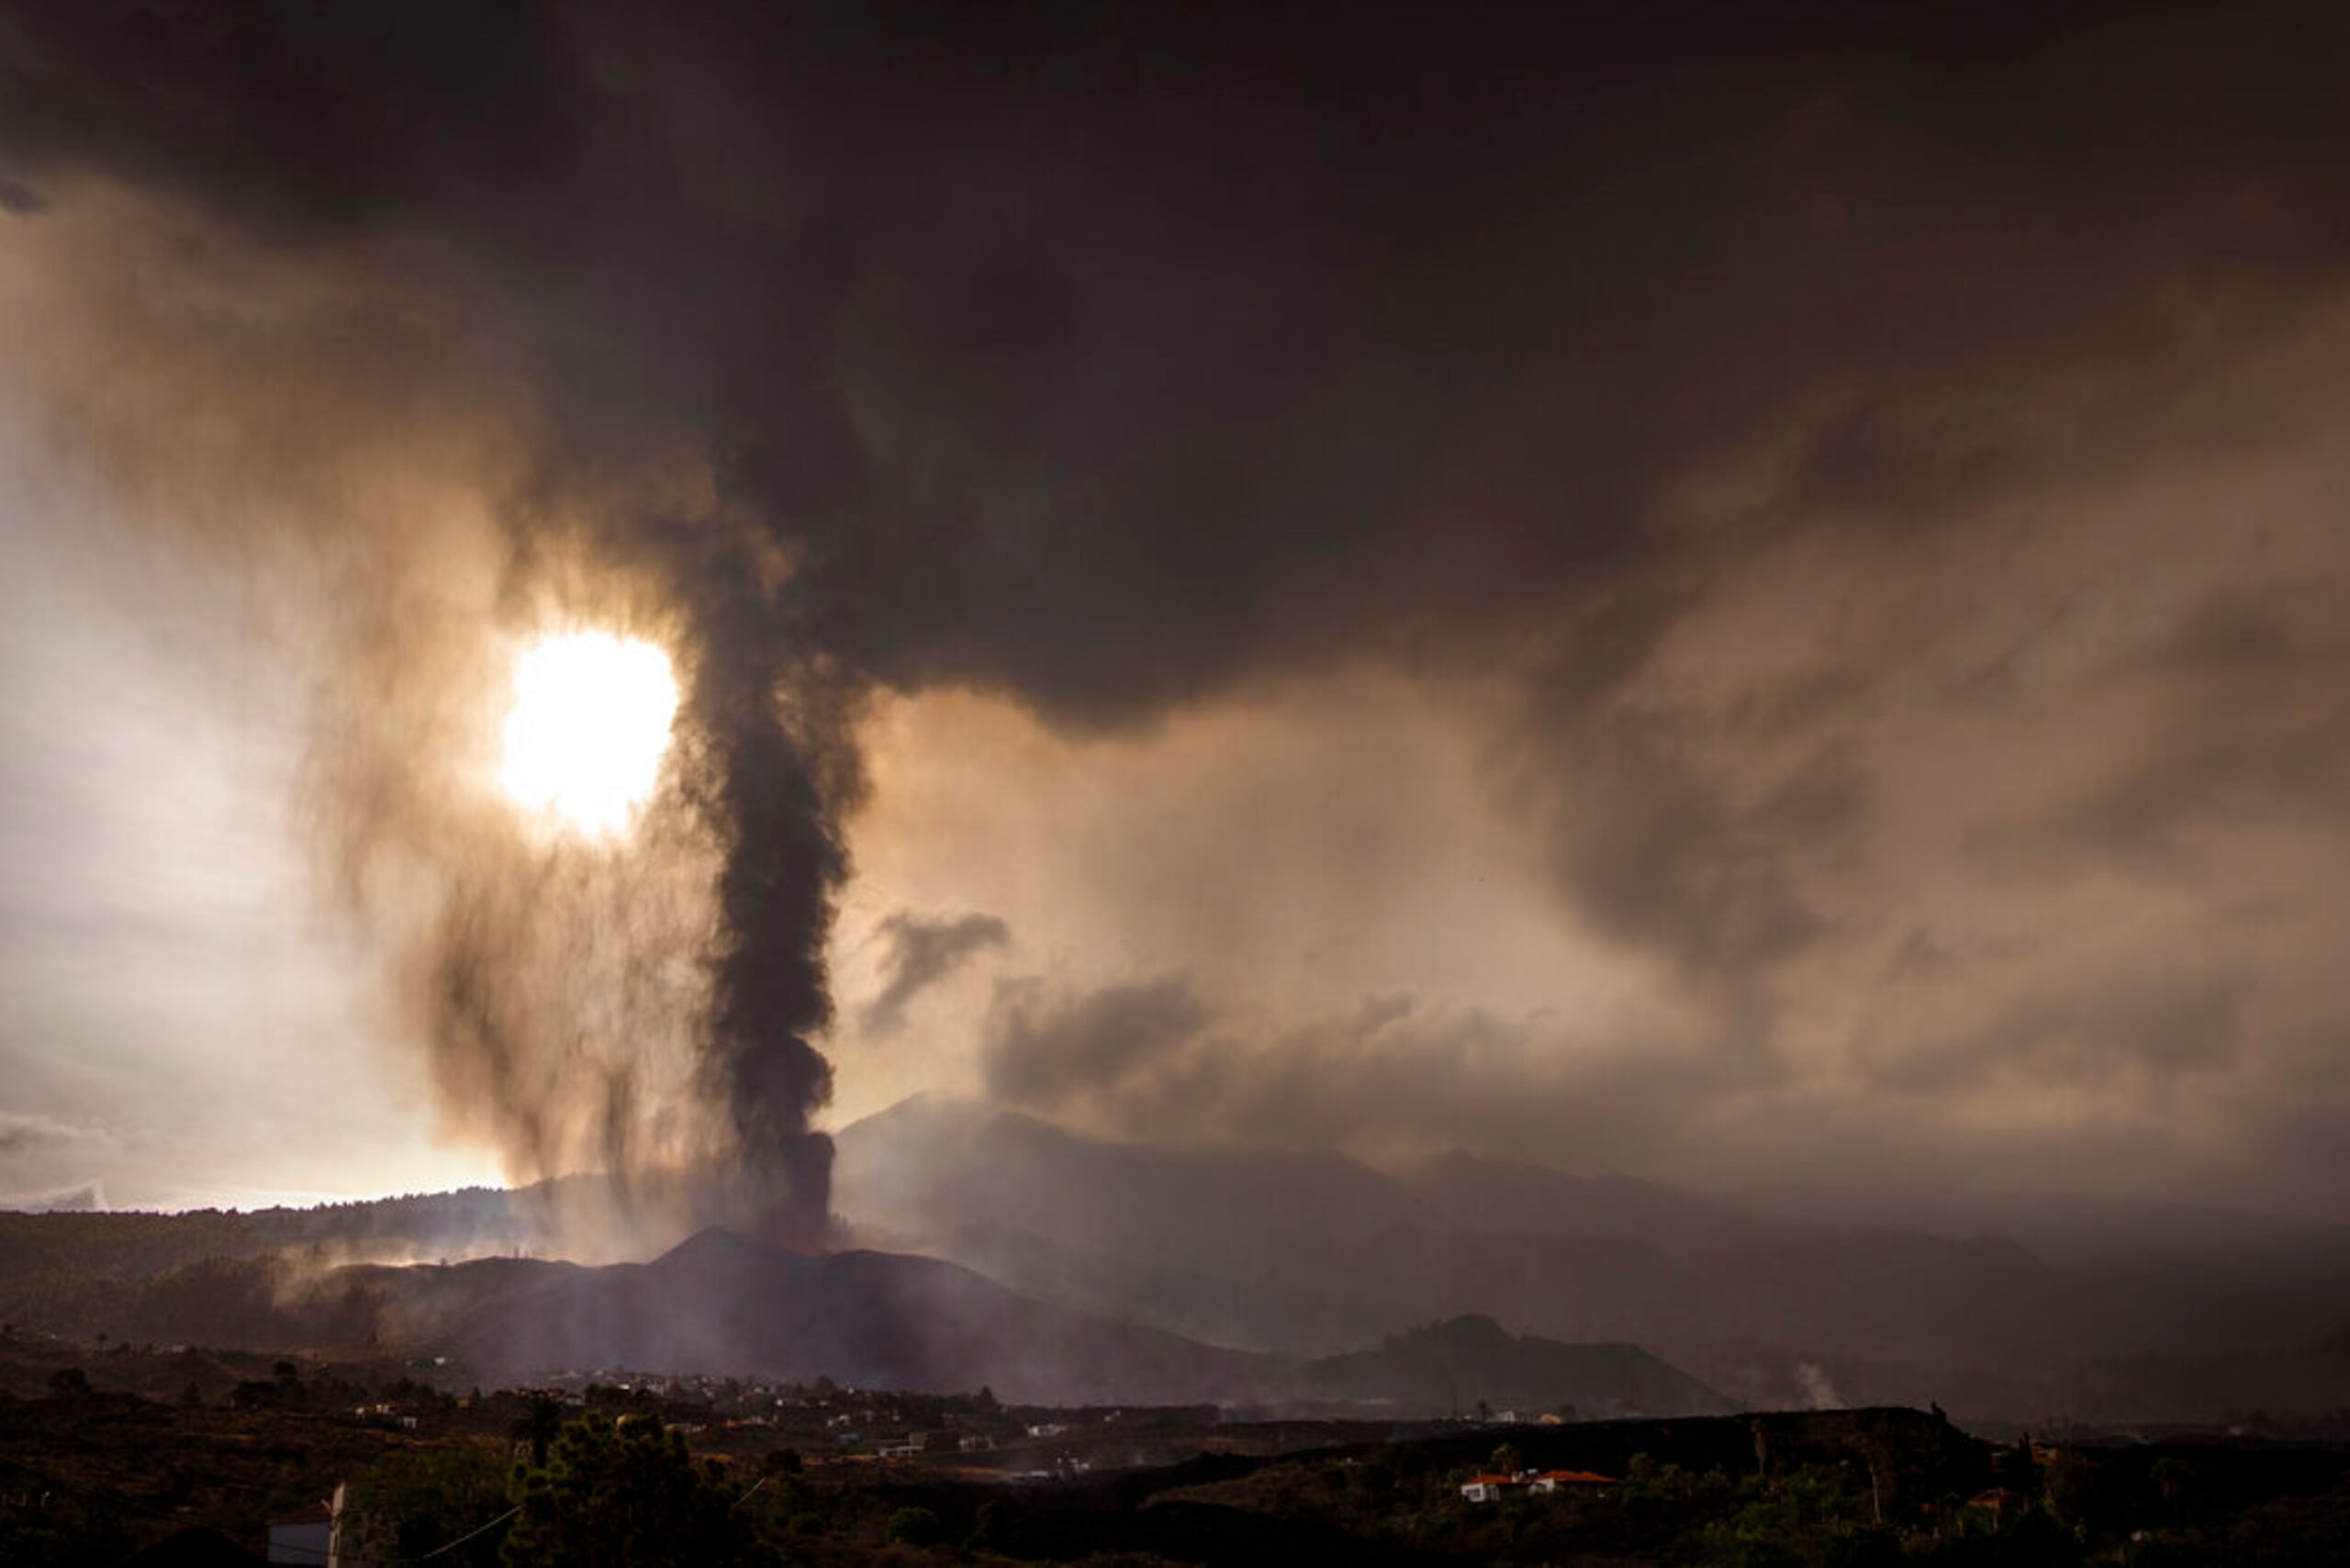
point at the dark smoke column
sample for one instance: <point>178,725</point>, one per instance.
<point>773,767</point>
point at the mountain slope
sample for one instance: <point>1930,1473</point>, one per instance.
<point>1297,1250</point>
<point>720,1303</point>
<point>1452,1367</point>
<point>1505,1198</point>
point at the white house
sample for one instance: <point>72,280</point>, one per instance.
<point>1490,1489</point>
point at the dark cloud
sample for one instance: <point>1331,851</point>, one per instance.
<point>923,952</point>
<point>2251,719</point>
<point>1043,1050</point>
<point>88,1198</point>
<point>1116,371</point>
<point>1655,852</point>
<point>1125,363</point>
<point>1151,1060</point>
<point>24,1134</point>
<point>2094,1030</point>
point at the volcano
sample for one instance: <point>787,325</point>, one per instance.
<point>724,1303</point>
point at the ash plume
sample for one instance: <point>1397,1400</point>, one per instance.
<point>923,952</point>
<point>777,766</point>
<point>1738,409</point>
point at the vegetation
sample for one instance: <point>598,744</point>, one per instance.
<point>539,1423</point>
<point>645,1474</point>
<point>915,1526</point>
<point>419,1500</point>
<point>625,1492</point>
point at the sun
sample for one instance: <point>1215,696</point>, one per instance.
<point>589,729</point>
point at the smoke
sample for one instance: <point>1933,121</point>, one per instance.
<point>1118,366</point>
<point>1818,1394</point>
<point>21,1133</point>
<point>1040,1054</point>
<point>87,1198</point>
<point>648,1007</point>
<point>776,767</point>
<point>406,518</point>
<point>922,953</point>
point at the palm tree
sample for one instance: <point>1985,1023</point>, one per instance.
<point>539,1425</point>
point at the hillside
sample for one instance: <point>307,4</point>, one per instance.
<point>1452,1367</point>
<point>720,1303</point>
<point>1313,1255</point>
<point>725,1305</point>
<point>1307,1246</point>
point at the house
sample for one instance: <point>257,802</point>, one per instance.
<point>1566,1481</point>
<point>1490,1489</point>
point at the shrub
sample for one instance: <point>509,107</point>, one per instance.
<point>914,1527</point>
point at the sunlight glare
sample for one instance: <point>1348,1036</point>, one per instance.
<point>589,729</point>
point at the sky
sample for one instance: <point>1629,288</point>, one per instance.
<point>1759,606</point>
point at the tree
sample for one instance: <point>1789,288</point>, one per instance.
<point>2174,1479</point>
<point>624,1494</point>
<point>2016,1469</point>
<point>915,1526</point>
<point>414,1501</point>
<point>989,1529</point>
<point>68,1382</point>
<point>539,1424</point>
<point>1508,1460</point>
<point>2068,1484</point>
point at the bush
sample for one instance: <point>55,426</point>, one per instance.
<point>915,1526</point>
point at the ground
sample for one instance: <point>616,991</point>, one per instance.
<point>146,1442</point>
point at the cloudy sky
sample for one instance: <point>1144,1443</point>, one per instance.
<point>1758,605</point>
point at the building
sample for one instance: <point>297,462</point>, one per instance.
<point>1567,1481</point>
<point>1490,1489</point>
